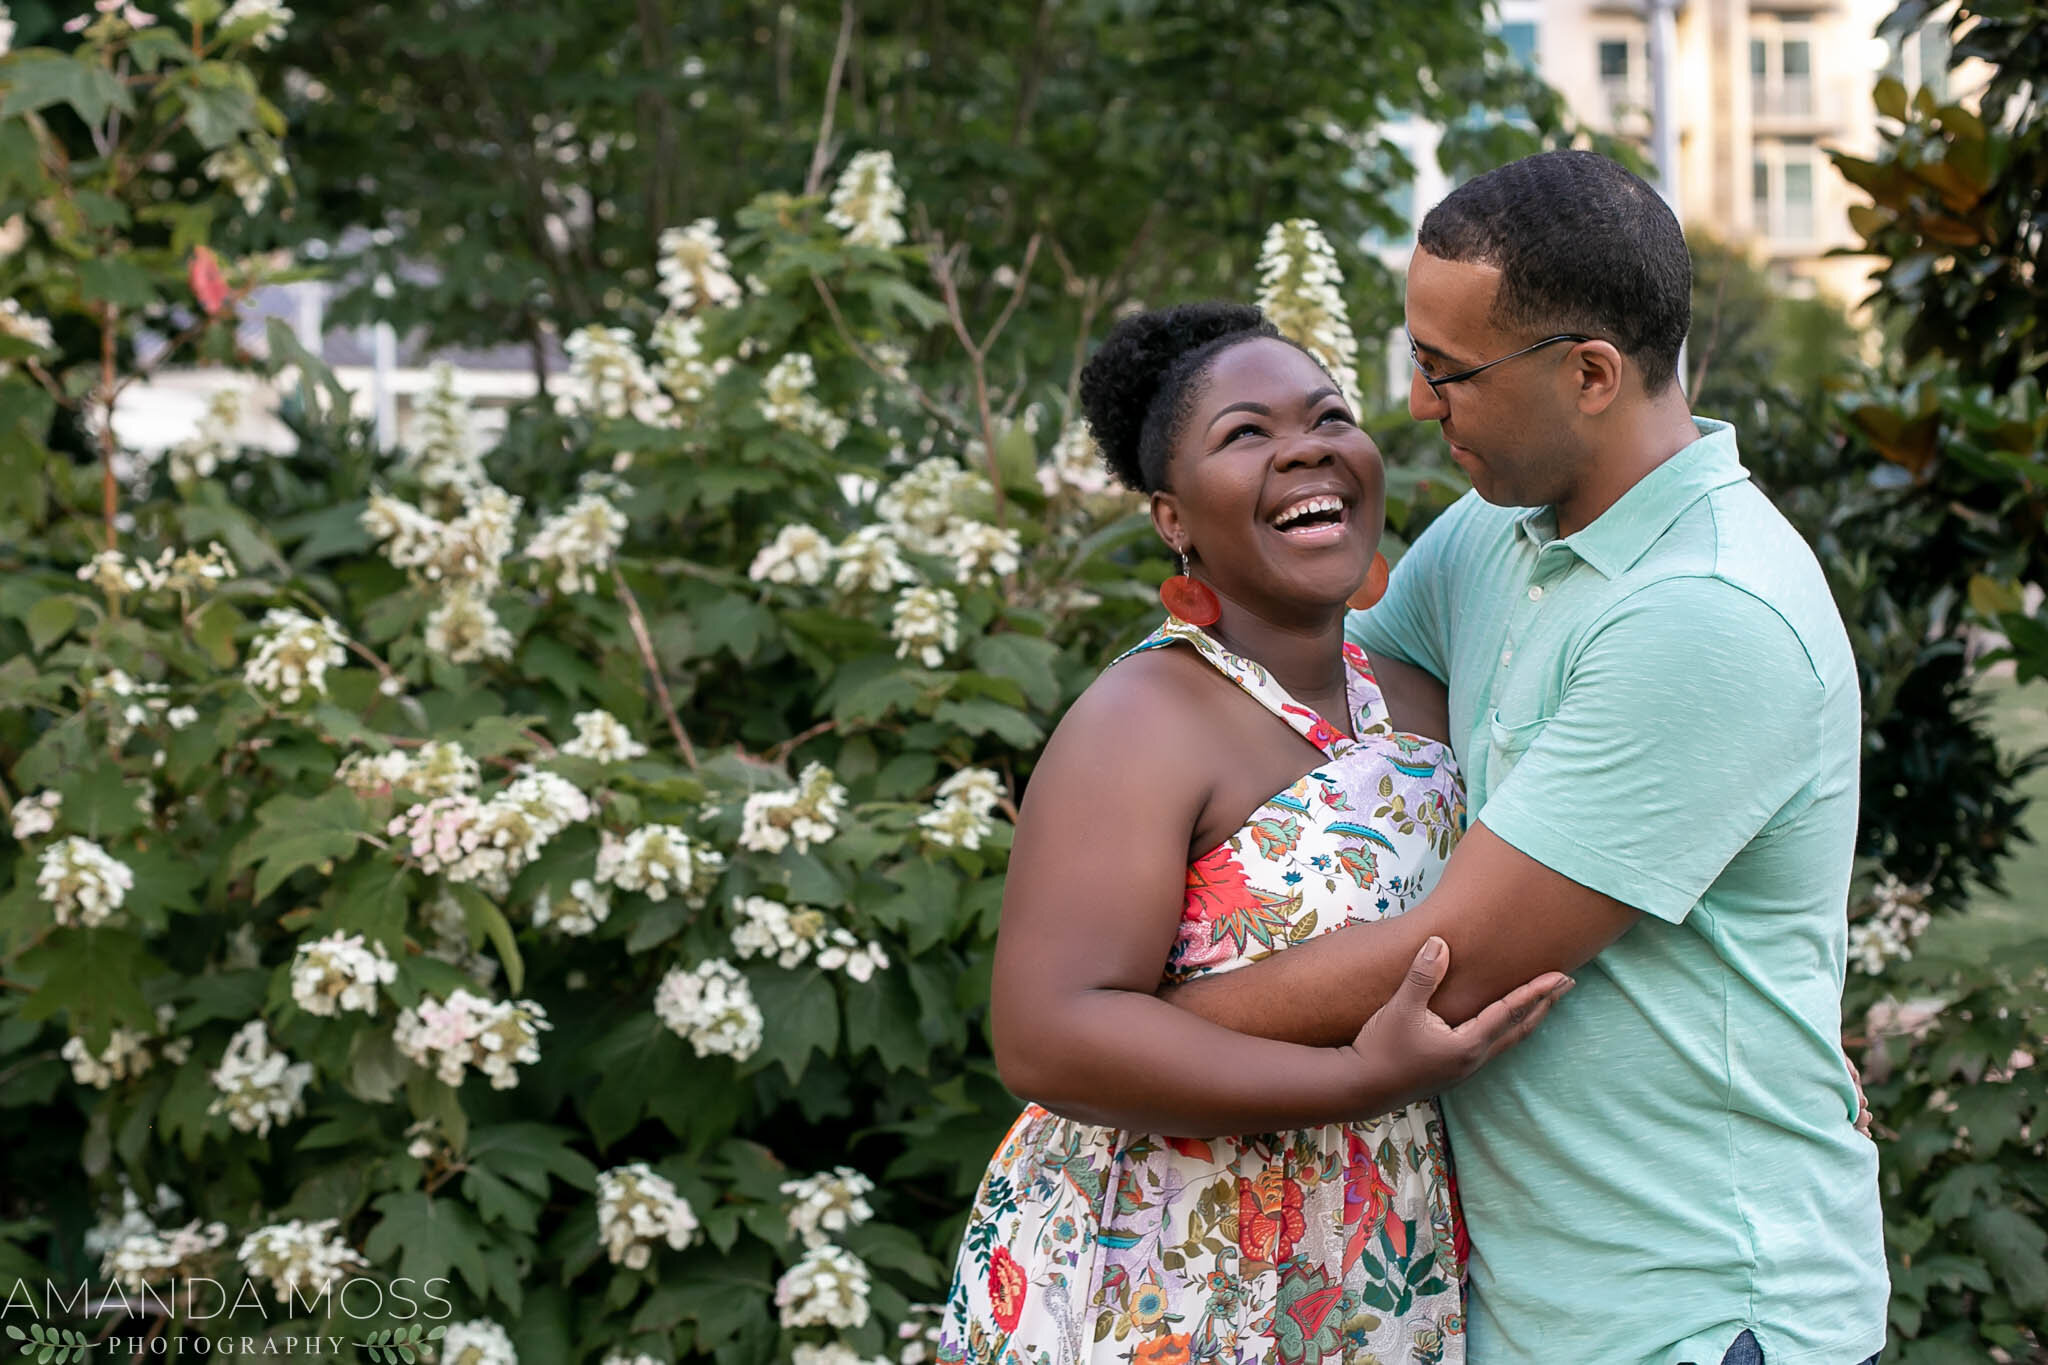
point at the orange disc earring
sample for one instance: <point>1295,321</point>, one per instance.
<point>1189,598</point>
<point>1375,586</point>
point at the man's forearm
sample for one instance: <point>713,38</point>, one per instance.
<point>1321,992</point>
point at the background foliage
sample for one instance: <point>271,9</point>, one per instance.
<point>531,204</point>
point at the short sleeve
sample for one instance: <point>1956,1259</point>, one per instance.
<point>1689,717</point>
<point>1408,623</point>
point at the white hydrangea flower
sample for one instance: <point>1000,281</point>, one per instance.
<point>575,544</point>
<point>616,1359</point>
<point>1897,918</point>
<point>246,171</point>
<point>869,561</point>
<point>19,324</point>
<point>831,1353</point>
<point>827,1203</point>
<point>955,824</point>
<point>693,268</point>
<point>585,907</point>
<point>293,655</point>
<point>798,554</point>
<point>828,1287</point>
<point>805,814</point>
<point>920,1334</point>
<point>339,973</point>
<point>1076,463</point>
<point>1299,289</point>
<point>867,203</point>
<point>922,507</point>
<point>766,928</point>
<point>258,1084</point>
<point>133,703</point>
<point>212,444</point>
<point>187,571</point>
<point>478,1341</point>
<point>844,952</point>
<point>983,553</point>
<point>603,738</point>
<point>465,629</point>
<point>138,1253</point>
<point>711,1008</point>
<point>36,815</point>
<point>113,573</point>
<point>637,1208</point>
<point>436,768</point>
<point>298,1257</point>
<point>468,1031</point>
<point>469,550</point>
<point>82,882</point>
<point>656,860</point>
<point>128,1053</point>
<point>981,788</point>
<point>680,366</point>
<point>443,451</point>
<point>614,379</point>
<point>268,18</point>
<point>531,809</point>
<point>787,401</point>
<point>438,832</point>
<point>926,624</point>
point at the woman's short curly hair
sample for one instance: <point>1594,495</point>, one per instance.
<point>1139,388</point>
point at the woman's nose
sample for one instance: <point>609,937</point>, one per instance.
<point>1310,448</point>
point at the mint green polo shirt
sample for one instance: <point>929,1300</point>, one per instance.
<point>1662,707</point>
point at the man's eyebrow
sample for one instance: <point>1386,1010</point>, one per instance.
<point>1260,408</point>
<point>1439,352</point>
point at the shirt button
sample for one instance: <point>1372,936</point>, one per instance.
<point>1506,655</point>
<point>1536,593</point>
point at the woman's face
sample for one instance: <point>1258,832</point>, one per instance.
<point>1272,486</point>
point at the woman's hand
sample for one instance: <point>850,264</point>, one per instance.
<point>1406,1052</point>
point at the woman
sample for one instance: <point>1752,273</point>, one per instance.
<point>1179,1192</point>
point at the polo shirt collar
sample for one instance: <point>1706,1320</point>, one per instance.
<point>1623,533</point>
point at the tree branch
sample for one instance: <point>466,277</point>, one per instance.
<point>821,151</point>
<point>646,642</point>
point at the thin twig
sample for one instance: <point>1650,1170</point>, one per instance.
<point>924,400</point>
<point>789,746</point>
<point>943,258</point>
<point>110,497</point>
<point>821,153</point>
<point>668,707</point>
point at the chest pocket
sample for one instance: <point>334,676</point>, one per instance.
<point>1505,745</point>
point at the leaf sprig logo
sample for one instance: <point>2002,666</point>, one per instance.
<point>49,1344</point>
<point>395,1344</point>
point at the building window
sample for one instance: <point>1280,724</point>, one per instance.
<point>1782,185</point>
<point>1520,38</point>
<point>1613,60</point>
<point>1781,70</point>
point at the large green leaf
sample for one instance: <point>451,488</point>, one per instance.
<point>426,1237</point>
<point>295,832</point>
<point>38,78</point>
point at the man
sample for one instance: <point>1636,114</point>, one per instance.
<point>1655,706</point>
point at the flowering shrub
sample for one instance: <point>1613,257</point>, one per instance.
<point>561,874</point>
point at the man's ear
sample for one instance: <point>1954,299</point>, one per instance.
<point>1597,371</point>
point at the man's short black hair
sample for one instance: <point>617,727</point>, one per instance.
<point>1582,245</point>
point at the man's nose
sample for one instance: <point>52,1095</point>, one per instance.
<point>1425,404</point>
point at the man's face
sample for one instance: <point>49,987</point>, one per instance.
<point>1511,428</point>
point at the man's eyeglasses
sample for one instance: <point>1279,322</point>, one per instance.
<point>1436,383</point>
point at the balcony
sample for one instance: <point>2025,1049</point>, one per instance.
<point>1627,104</point>
<point>1791,104</point>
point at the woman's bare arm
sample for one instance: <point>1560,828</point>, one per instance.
<point>1096,880</point>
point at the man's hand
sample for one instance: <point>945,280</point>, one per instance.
<point>1862,1103</point>
<point>1410,1053</point>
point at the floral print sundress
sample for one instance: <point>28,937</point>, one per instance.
<point>1340,1243</point>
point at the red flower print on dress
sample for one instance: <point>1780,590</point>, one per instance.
<point>1217,886</point>
<point>1269,1217</point>
<point>1006,1286</point>
<point>1360,664</point>
<point>1320,732</point>
<point>1366,1197</point>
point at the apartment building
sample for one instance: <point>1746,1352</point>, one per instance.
<point>1763,90</point>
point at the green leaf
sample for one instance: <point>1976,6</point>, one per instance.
<point>1890,98</point>
<point>51,619</point>
<point>429,1237</point>
<point>982,717</point>
<point>801,1014</point>
<point>38,78</point>
<point>484,917</point>
<point>295,832</point>
<point>1026,660</point>
<point>116,280</point>
<point>2012,1244</point>
<point>218,108</point>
